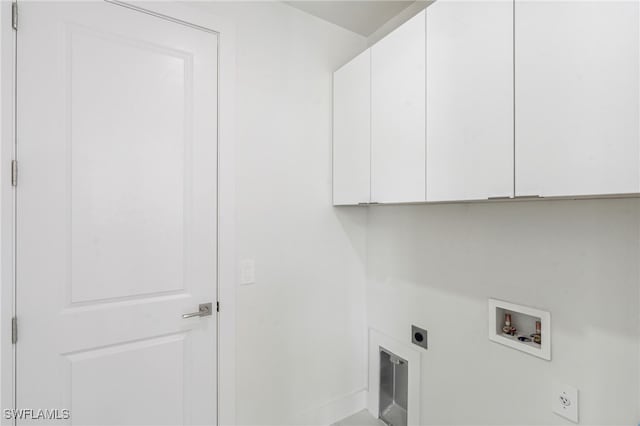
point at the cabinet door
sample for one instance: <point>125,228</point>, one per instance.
<point>469,100</point>
<point>352,131</point>
<point>398,114</point>
<point>577,114</point>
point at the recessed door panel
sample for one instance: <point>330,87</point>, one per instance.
<point>129,191</point>
<point>152,370</point>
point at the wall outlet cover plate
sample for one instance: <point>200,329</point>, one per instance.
<point>419,336</point>
<point>565,401</point>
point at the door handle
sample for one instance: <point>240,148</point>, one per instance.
<point>204,310</point>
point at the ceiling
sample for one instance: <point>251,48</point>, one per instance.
<point>360,16</point>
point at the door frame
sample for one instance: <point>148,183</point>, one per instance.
<point>181,14</point>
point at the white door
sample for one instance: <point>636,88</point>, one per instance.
<point>116,215</point>
<point>352,131</point>
<point>469,100</point>
<point>577,110</point>
<point>398,114</point>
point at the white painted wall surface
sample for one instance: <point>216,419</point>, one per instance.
<point>435,266</point>
<point>301,329</point>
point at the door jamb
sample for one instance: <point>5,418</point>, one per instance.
<point>226,368</point>
<point>7,207</point>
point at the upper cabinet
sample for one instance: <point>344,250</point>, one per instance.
<point>474,100</point>
<point>469,100</point>
<point>577,94</point>
<point>398,114</point>
<point>352,131</point>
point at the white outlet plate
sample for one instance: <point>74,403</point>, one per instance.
<point>565,401</point>
<point>247,272</point>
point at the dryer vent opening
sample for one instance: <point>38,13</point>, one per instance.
<point>394,387</point>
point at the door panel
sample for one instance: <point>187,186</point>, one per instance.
<point>116,215</point>
<point>469,100</point>
<point>144,196</point>
<point>398,114</point>
<point>154,364</point>
<point>577,111</point>
<point>352,131</point>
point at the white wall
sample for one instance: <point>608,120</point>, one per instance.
<point>301,330</point>
<point>436,265</point>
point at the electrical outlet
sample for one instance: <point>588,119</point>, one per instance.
<point>565,401</point>
<point>247,272</point>
<point>419,336</point>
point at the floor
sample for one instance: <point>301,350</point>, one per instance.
<point>361,418</point>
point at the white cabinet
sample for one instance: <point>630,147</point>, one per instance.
<point>398,114</point>
<point>469,100</point>
<point>577,113</point>
<point>352,131</point>
<point>474,100</point>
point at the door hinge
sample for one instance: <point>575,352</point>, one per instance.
<point>14,15</point>
<point>217,306</point>
<point>14,330</point>
<point>14,173</point>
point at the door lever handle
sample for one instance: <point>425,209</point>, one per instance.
<point>204,310</point>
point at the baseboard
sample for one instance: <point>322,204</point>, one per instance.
<point>335,410</point>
